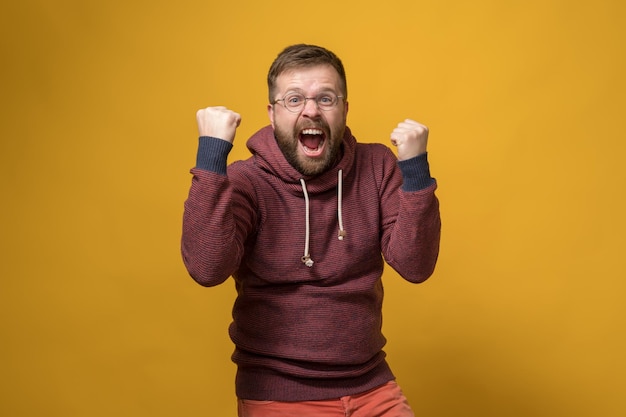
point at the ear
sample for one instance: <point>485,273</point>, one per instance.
<point>270,113</point>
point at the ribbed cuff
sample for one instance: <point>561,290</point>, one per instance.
<point>416,173</point>
<point>212,154</point>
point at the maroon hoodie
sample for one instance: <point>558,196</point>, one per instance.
<point>306,254</point>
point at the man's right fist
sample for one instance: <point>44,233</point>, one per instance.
<point>218,122</point>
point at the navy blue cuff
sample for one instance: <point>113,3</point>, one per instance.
<point>213,154</point>
<point>416,173</point>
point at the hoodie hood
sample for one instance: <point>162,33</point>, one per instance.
<point>268,156</point>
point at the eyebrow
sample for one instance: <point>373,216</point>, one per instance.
<point>300,91</point>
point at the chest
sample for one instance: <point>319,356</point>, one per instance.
<point>274,253</point>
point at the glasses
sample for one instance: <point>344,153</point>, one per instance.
<point>295,102</point>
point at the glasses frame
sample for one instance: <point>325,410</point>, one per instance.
<point>315,99</point>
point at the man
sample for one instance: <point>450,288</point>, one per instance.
<point>302,226</point>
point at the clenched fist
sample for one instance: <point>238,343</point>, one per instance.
<point>410,137</point>
<point>218,122</point>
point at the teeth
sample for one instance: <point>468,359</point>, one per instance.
<point>312,132</point>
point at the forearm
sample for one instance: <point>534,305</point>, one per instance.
<point>412,245</point>
<point>416,173</point>
<point>209,247</point>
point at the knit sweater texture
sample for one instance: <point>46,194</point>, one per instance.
<point>308,332</point>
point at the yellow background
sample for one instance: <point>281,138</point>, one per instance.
<point>525,314</point>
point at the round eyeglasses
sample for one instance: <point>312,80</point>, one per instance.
<point>295,102</point>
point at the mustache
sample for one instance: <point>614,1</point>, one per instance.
<point>312,125</point>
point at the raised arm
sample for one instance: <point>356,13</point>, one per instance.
<point>213,236</point>
<point>412,235</point>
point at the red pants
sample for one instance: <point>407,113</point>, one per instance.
<point>384,401</point>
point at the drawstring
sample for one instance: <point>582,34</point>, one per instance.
<point>342,233</point>
<point>306,258</point>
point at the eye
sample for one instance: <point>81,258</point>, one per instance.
<point>294,99</point>
<point>325,100</point>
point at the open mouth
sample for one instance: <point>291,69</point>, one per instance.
<point>312,141</point>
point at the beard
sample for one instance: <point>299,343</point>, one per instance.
<point>289,143</point>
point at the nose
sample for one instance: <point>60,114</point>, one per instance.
<point>311,108</point>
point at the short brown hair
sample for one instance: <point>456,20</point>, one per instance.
<point>302,55</point>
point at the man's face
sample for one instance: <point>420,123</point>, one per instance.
<point>311,138</point>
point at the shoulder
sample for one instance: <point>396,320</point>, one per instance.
<point>375,150</point>
<point>378,163</point>
<point>244,167</point>
<point>243,173</point>
<point>377,154</point>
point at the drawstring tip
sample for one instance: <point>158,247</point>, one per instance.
<point>307,261</point>
<point>342,234</point>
